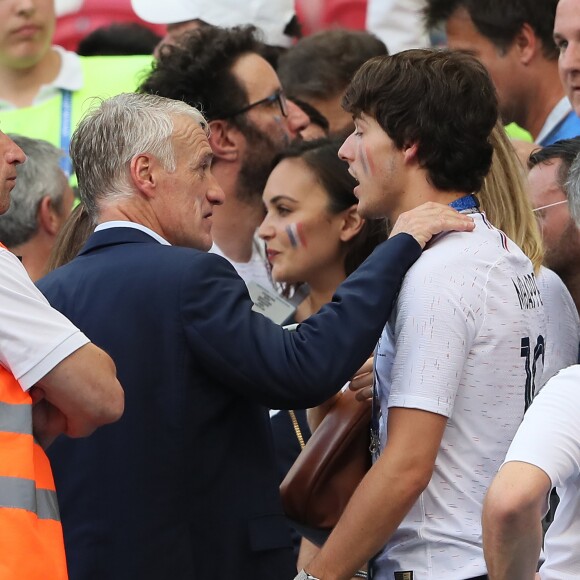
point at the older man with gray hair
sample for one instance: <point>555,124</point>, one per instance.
<point>185,485</point>
<point>40,204</point>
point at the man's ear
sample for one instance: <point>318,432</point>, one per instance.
<point>143,171</point>
<point>48,217</point>
<point>352,224</point>
<point>224,140</point>
<point>410,152</point>
<point>526,43</point>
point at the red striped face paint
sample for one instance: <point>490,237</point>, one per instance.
<point>296,235</point>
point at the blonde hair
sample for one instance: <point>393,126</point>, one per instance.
<point>71,238</point>
<point>505,200</point>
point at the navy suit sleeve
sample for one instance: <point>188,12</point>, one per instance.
<point>248,353</point>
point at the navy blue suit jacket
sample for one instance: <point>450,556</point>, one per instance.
<point>185,485</point>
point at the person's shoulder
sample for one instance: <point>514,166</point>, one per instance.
<point>197,263</point>
<point>168,256</point>
<point>111,75</point>
<point>553,289</point>
<point>59,277</point>
<point>557,298</point>
<point>7,257</point>
<point>453,258</point>
<point>449,250</point>
<point>549,282</point>
<point>185,253</point>
<point>485,243</point>
<point>11,270</point>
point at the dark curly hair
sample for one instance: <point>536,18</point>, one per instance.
<point>442,101</point>
<point>501,20</point>
<point>198,70</point>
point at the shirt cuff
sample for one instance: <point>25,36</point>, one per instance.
<point>52,359</point>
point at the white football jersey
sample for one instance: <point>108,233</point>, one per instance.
<point>466,341</point>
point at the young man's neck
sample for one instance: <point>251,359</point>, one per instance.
<point>20,86</point>
<point>422,193</point>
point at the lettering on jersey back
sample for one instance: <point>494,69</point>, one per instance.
<point>527,291</point>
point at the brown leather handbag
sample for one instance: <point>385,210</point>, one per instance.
<point>333,462</point>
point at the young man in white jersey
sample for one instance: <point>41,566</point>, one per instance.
<point>456,366</point>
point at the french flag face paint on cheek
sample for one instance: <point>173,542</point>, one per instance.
<point>366,161</point>
<point>296,235</point>
<point>292,235</point>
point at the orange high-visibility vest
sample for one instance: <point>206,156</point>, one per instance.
<point>31,541</point>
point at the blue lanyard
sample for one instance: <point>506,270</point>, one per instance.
<point>466,202</point>
<point>66,130</point>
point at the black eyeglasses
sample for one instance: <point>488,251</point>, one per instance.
<point>277,97</point>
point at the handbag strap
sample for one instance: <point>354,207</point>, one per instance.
<point>296,426</point>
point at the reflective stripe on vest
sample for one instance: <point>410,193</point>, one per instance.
<point>21,493</point>
<point>31,541</point>
<point>15,418</point>
<point>25,476</point>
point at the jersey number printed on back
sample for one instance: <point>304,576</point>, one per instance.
<point>526,351</point>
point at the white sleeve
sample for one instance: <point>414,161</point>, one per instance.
<point>435,328</point>
<point>549,436</point>
<point>34,337</point>
<point>562,324</point>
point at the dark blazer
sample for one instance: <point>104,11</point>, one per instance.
<point>185,485</point>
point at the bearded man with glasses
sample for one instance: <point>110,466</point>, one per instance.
<point>222,72</point>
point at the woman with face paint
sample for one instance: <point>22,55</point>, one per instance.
<point>312,230</point>
<point>314,239</point>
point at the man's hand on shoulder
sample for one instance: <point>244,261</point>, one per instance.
<point>429,219</point>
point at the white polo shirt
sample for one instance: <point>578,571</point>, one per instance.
<point>34,337</point>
